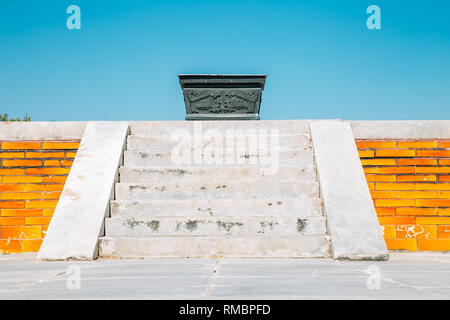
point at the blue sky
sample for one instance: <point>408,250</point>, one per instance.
<point>321,59</point>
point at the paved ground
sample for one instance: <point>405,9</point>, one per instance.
<point>405,276</point>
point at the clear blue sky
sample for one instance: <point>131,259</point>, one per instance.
<point>321,59</point>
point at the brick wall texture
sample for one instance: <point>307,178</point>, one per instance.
<point>32,176</point>
<point>410,186</point>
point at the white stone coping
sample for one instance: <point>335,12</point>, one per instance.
<point>78,220</point>
<point>401,129</point>
<point>58,130</point>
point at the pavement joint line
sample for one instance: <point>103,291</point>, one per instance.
<point>212,281</point>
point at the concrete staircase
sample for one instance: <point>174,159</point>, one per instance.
<point>164,208</point>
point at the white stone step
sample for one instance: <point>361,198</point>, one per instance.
<point>150,128</point>
<point>217,208</point>
<point>201,226</point>
<point>298,158</point>
<point>214,174</point>
<point>235,190</point>
<point>165,144</point>
<point>311,246</point>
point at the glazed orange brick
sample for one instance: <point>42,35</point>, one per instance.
<point>44,187</point>
<point>444,194</point>
<point>369,170</point>
<point>60,145</point>
<point>375,144</point>
<point>444,232</point>
<point>21,232</point>
<point>444,212</point>
<point>55,179</point>
<point>444,162</point>
<point>397,220</point>
<point>44,231</point>
<point>395,203</point>
<point>381,178</point>
<point>11,155</point>
<point>66,163</point>
<point>37,220</point>
<point>41,204</point>
<point>21,195</point>
<point>52,163</point>
<point>417,144</point>
<point>417,178</point>
<point>395,170</point>
<point>48,212</point>
<point>416,162</point>
<point>46,171</point>
<point>378,162</point>
<point>12,172</point>
<point>385,211</point>
<point>444,144</point>
<point>416,232</point>
<point>395,153</point>
<point>21,145</point>
<point>21,212</point>
<point>417,194</point>
<point>12,187</point>
<point>18,179</point>
<point>433,170</point>
<point>51,195</point>
<point>11,221</point>
<point>366,153</point>
<point>433,203</point>
<point>10,246</point>
<point>31,245</point>
<point>12,204</point>
<point>444,178</point>
<point>371,186</point>
<point>22,163</point>
<point>70,155</point>
<point>383,194</point>
<point>41,155</point>
<point>388,232</point>
<point>433,220</point>
<point>401,244</point>
<point>433,153</point>
<point>433,244</point>
<point>416,211</point>
<point>432,186</point>
<point>394,186</point>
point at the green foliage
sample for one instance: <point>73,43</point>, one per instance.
<point>4,117</point>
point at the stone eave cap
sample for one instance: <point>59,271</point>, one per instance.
<point>222,80</point>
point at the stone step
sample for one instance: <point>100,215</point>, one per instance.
<point>226,226</point>
<point>292,246</point>
<point>214,174</point>
<point>166,144</point>
<point>166,128</point>
<point>297,158</point>
<point>235,190</point>
<point>217,208</point>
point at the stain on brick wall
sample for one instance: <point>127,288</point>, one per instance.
<point>32,176</point>
<point>410,186</point>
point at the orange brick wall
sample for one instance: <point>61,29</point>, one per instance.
<point>32,176</point>
<point>410,187</point>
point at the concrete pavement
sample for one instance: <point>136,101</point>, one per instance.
<point>405,276</point>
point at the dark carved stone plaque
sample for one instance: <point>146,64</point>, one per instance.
<point>222,97</point>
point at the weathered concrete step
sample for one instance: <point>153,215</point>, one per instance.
<point>147,128</point>
<point>214,174</point>
<point>298,158</point>
<point>236,190</point>
<point>217,208</point>
<point>265,246</point>
<point>165,144</point>
<point>201,226</point>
